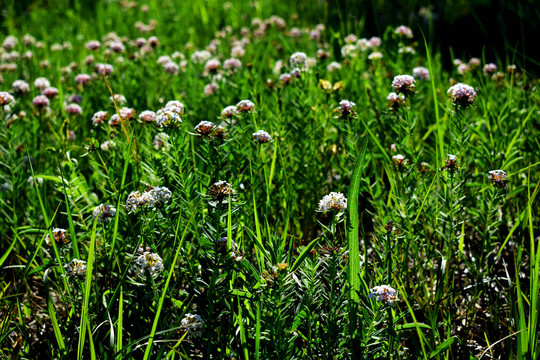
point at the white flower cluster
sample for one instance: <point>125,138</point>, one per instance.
<point>152,198</point>
<point>298,59</point>
<point>75,268</point>
<point>384,293</point>
<point>148,263</point>
<point>104,213</point>
<point>236,255</point>
<point>59,236</point>
<point>333,201</point>
<point>262,137</point>
<point>193,324</point>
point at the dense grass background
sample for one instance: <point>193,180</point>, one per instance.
<point>461,252</point>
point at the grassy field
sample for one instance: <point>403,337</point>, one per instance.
<point>257,180</point>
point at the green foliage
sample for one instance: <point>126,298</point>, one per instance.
<point>218,246</point>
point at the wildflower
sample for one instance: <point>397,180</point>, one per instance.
<point>75,268</point>
<point>262,137</point>
<point>201,56</point>
<point>349,51</point>
<point>171,67</point>
<point>463,68</point>
<point>346,108</point>
<point>245,106</point>
<point>204,128</point>
<point>153,41</point>
<point>147,116</point>
<point>136,199</point>
<point>221,190</point>
<point>148,263</point>
<point>176,107</point>
<point>59,236</point>
<point>498,76</point>
<point>404,32</point>
<point>333,66</point>
<point>104,213</point>
<point>118,98</point>
<point>333,201</point>
<point>400,160</point>
<point>451,163</point>
<point>462,94</point>
<point>99,117</point>
<point>238,51</point>
<point>160,195</point>
<point>421,73</point>
<point>21,86</point>
<point>5,98</point>
<point>235,253</point>
<point>38,179</point>
<point>407,50</point>
<point>511,68</point>
<point>374,42</point>
<point>351,39</point>
<point>10,42</point>
<point>384,293</point>
<point>376,55</point>
<point>93,45</point>
<point>50,92</point>
<point>193,325</point>
<point>210,89</point>
<point>108,145</point>
<point>404,84</point>
<point>298,59</point>
<point>285,78</point>
<point>115,120</point>
<point>82,79</point>
<point>394,101</point>
<point>117,47</point>
<point>219,132</point>
<point>75,99</point>
<point>160,141</point>
<point>232,65</point>
<point>229,112</point>
<point>490,68</point>
<point>104,69</point>
<point>40,101</point>
<point>498,178</point>
<point>168,119</point>
<point>474,62</point>
<point>212,66</point>
<point>74,109</point>
<point>41,83</point>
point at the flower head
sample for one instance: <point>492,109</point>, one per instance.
<point>404,32</point>
<point>168,119</point>
<point>74,109</point>
<point>451,163</point>
<point>462,94</point>
<point>229,112</point>
<point>161,141</point>
<point>176,107</point>
<point>421,73</point>
<point>40,101</point>
<point>75,268</point>
<point>41,83</point>
<point>148,263</point>
<point>262,137</point>
<point>99,117</point>
<point>104,213</point>
<point>394,101</point>
<point>384,293</point>
<point>59,235</point>
<point>490,68</point>
<point>21,86</point>
<point>147,116</point>
<point>498,178</point>
<point>399,160</point>
<point>82,79</point>
<point>404,84</point>
<point>245,106</point>
<point>346,108</point>
<point>205,128</point>
<point>221,190</point>
<point>193,325</point>
<point>160,195</point>
<point>298,59</point>
<point>333,201</point>
<point>5,98</point>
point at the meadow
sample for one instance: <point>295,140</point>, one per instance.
<point>250,180</point>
